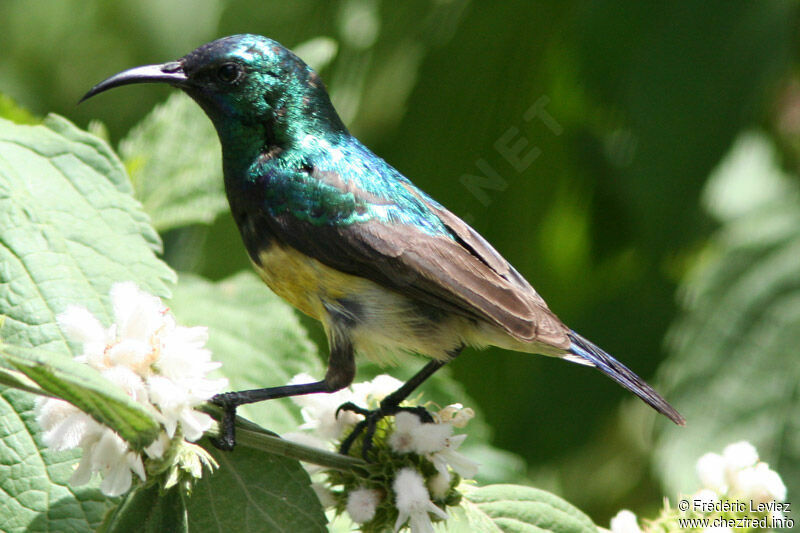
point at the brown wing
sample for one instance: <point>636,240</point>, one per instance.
<point>464,274</point>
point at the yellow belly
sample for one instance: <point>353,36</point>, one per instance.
<point>389,324</point>
<point>303,281</point>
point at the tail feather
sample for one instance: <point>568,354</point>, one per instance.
<point>587,350</point>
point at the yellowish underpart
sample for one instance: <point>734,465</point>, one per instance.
<point>390,324</point>
<point>303,281</point>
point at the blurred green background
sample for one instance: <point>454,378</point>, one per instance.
<point>637,161</point>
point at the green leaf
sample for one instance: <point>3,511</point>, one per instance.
<point>85,388</point>
<point>173,156</point>
<point>69,228</point>
<point>733,367</point>
<point>518,509</point>
<point>17,380</point>
<point>148,510</point>
<point>33,478</point>
<point>252,491</point>
<point>12,111</point>
<point>256,335</point>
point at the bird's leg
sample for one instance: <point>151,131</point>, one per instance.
<point>390,405</point>
<point>229,401</point>
<point>341,370</point>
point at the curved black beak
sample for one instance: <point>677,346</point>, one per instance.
<point>171,73</point>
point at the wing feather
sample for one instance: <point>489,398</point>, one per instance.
<point>459,273</point>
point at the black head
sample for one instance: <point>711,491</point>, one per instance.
<point>242,80</point>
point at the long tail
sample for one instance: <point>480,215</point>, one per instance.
<point>588,351</point>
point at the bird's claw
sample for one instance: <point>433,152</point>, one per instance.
<point>368,425</point>
<point>227,431</point>
<point>350,406</point>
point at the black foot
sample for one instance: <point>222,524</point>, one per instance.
<point>371,418</point>
<point>227,434</point>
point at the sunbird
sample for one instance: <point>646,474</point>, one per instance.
<point>345,238</point>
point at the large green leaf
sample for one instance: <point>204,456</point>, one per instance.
<point>173,156</point>
<point>733,368</point>
<point>33,479</point>
<point>69,228</point>
<point>517,509</point>
<point>253,492</point>
<point>148,509</point>
<point>256,336</point>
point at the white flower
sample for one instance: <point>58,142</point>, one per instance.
<point>362,503</point>
<point>739,473</point>
<point>157,448</point>
<point>157,363</point>
<point>439,484</point>
<point>107,453</point>
<point>413,502</point>
<point>705,497</point>
<point>319,411</point>
<point>403,438</point>
<point>625,522</point>
<point>64,424</point>
<point>760,484</point>
<point>82,327</point>
<point>739,455</point>
<point>711,471</point>
<point>460,463</point>
<point>370,393</point>
<point>176,399</point>
<point>428,438</point>
<point>435,441</point>
<point>456,415</point>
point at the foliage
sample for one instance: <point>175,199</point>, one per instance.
<point>733,372</point>
<point>9,110</point>
<point>511,508</point>
<point>228,502</point>
<point>69,229</point>
<point>174,162</point>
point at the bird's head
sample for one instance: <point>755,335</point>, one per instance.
<point>244,82</point>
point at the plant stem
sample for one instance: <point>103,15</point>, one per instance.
<point>257,438</point>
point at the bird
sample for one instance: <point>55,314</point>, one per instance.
<point>348,240</point>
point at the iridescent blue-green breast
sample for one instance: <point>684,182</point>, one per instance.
<point>339,182</point>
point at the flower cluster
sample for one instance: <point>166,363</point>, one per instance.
<point>738,473</point>
<point>735,485</point>
<point>419,465</point>
<point>159,364</point>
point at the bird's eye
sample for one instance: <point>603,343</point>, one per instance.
<point>229,73</point>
